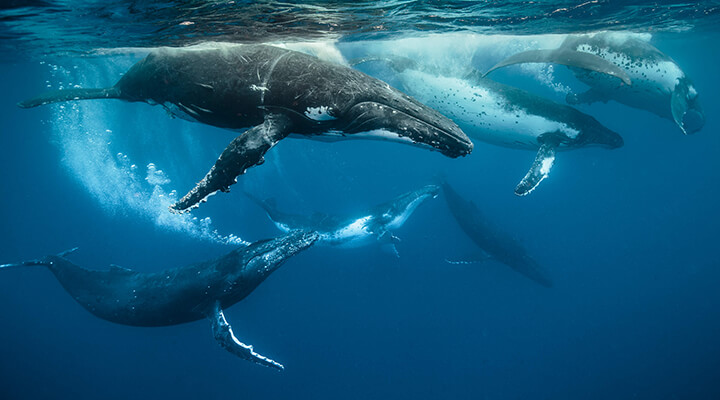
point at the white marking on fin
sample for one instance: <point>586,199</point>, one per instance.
<point>257,88</point>
<point>226,338</point>
<point>321,113</point>
<point>206,86</point>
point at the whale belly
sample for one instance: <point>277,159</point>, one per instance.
<point>482,113</point>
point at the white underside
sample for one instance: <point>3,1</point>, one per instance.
<point>480,113</point>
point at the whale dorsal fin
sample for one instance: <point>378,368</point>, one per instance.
<point>223,333</point>
<point>570,58</point>
<point>539,170</point>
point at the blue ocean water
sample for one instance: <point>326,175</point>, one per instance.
<point>629,235</point>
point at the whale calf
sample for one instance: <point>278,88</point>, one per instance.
<point>179,295</point>
<point>503,115</point>
<point>373,226</point>
<point>275,92</point>
<point>649,79</point>
<point>493,242</point>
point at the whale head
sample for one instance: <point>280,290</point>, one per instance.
<point>397,211</point>
<point>244,269</point>
<point>593,133</point>
<point>388,114</point>
<point>263,257</point>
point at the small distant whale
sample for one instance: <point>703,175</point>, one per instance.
<point>179,295</point>
<point>504,115</point>
<point>373,226</point>
<point>493,242</point>
<point>659,85</point>
<point>276,92</point>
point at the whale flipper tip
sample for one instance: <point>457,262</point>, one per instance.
<point>538,171</point>
<point>226,338</point>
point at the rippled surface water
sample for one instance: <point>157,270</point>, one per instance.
<point>69,26</point>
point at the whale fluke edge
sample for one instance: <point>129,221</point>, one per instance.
<point>57,96</point>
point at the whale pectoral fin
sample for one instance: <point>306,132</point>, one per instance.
<point>390,249</point>
<point>539,170</point>
<point>223,333</point>
<point>387,243</point>
<point>242,153</point>
<point>679,106</point>
<point>570,58</point>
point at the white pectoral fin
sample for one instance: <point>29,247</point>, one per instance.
<point>538,171</point>
<point>387,243</point>
<point>679,106</point>
<point>223,333</point>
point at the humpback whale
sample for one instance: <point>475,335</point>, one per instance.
<point>275,92</point>
<point>659,85</point>
<point>373,226</point>
<point>494,243</point>
<point>179,295</point>
<point>503,115</point>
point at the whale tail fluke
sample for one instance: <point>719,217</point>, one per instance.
<point>31,263</point>
<point>25,264</point>
<point>56,96</point>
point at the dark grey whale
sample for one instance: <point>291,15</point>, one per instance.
<point>275,92</point>
<point>493,242</point>
<point>179,295</point>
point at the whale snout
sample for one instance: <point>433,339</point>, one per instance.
<point>596,134</point>
<point>613,141</point>
<point>268,255</point>
<point>293,243</point>
<point>406,120</point>
<point>430,191</point>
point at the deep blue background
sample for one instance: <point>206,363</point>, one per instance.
<point>630,237</point>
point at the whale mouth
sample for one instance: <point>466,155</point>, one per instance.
<point>416,124</point>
